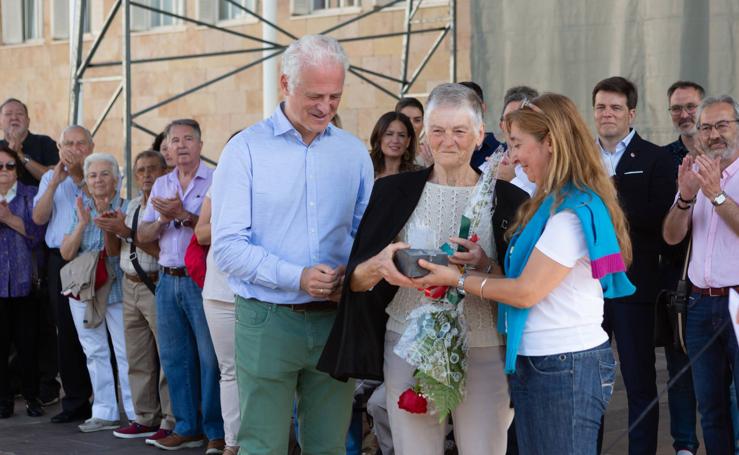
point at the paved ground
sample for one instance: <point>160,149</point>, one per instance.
<point>21,435</point>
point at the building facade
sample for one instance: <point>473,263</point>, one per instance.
<point>36,53</point>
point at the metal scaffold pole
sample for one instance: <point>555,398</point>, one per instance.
<point>81,62</point>
<point>76,18</point>
<point>126,84</point>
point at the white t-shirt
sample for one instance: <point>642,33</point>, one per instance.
<point>569,318</point>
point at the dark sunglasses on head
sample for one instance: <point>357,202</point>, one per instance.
<point>9,166</point>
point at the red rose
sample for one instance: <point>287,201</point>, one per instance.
<point>413,402</point>
<point>435,292</point>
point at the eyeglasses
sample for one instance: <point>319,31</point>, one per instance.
<point>722,126</point>
<point>9,166</point>
<point>677,109</point>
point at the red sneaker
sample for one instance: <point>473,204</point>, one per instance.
<point>160,434</point>
<point>134,430</point>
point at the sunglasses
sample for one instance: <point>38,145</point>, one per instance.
<point>9,166</point>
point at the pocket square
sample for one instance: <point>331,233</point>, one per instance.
<point>633,172</point>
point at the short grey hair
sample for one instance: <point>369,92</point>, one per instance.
<point>183,122</point>
<point>104,157</point>
<point>711,100</point>
<point>454,96</point>
<point>88,135</point>
<point>313,50</point>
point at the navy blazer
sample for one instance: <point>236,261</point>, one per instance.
<point>646,181</point>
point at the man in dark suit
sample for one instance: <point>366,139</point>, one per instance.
<point>645,177</point>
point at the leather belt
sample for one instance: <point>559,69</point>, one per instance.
<point>174,271</point>
<point>135,278</point>
<point>715,292</point>
<point>313,306</point>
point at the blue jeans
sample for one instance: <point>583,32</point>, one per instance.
<point>735,416</point>
<point>681,401</point>
<point>559,400</point>
<point>188,358</point>
<point>712,371</point>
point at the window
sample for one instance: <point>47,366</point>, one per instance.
<point>158,19</point>
<point>144,19</point>
<point>21,20</point>
<point>310,6</point>
<point>62,22</point>
<point>31,15</point>
<point>228,11</point>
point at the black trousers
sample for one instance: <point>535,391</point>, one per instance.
<point>72,360</point>
<point>632,325</point>
<point>48,365</point>
<point>19,327</point>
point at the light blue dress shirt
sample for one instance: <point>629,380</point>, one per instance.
<point>610,160</point>
<point>280,206</point>
<point>63,208</point>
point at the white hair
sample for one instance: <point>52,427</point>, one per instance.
<point>455,96</point>
<point>711,100</point>
<point>313,50</point>
<point>87,133</point>
<point>105,157</point>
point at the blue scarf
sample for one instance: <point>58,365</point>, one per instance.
<point>605,257</point>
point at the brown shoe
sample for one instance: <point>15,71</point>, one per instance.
<point>231,450</point>
<point>215,447</point>
<point>176,442</point>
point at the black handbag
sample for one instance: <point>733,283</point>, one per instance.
<point>671,311</point>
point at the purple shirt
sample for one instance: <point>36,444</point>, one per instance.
<point>16,266</point>
<point>173,241</point>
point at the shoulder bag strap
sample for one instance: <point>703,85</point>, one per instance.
<point>134,257</point>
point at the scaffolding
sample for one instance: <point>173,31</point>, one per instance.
<point>80,63</point>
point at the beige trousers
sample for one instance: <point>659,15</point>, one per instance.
<point>140,327</point>
<point>221,318</point>
<point>481,421</point>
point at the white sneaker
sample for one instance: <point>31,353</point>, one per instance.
<point>95,424</point>
<point>684,452</point>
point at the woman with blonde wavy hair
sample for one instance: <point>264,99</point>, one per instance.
<point>569,249</point>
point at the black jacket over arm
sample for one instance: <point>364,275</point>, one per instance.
<point>354,348</point>
<point>646,183</point>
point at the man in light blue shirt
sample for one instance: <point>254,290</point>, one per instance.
<point>288,195</point>
<point>55,204</point>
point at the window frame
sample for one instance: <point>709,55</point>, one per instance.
<point>241,18</point>
<point>327,11</point>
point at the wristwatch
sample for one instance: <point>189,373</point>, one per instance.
<point>25,160</point>
<point>719,199</point>
<point>460,283</point>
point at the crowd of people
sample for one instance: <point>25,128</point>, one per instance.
<point>225,303</point>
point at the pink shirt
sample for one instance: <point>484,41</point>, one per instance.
<point>715,258</point>
<point>173,241</point>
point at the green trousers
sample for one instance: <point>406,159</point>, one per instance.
<point>277,350</point>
